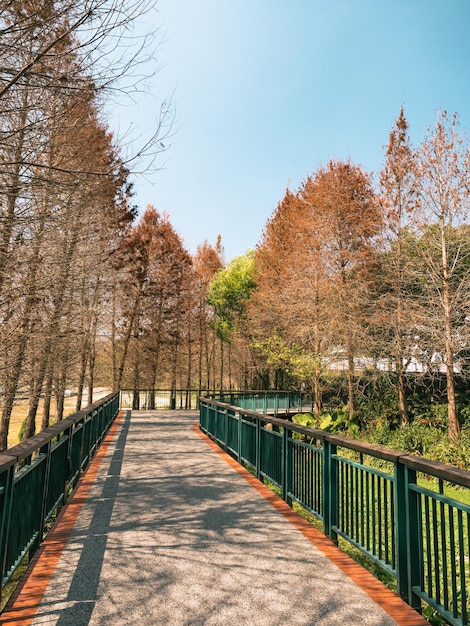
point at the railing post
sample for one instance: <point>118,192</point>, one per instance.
<point>258,449</point>
<point>401,531</point>
<point>47,451</point>
<point>286,467</point>
<point>414,543</point>
<point>330,490</point>
<point>224,443</point>
<point>69,464</point>
<point>216,422</point>
<point>239,438</point>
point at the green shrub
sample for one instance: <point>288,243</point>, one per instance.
<point>339,422</point>
<point>304,419</point>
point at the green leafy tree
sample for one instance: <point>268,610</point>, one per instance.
<point>229,293</point>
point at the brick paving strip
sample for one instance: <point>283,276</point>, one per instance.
<point>26,599</point>
<point>170,535</point>
<point>390,602</point>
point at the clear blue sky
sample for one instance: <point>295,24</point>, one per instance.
<point>266,91</point>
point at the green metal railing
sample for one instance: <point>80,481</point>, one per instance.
<point>165,399</point>
<point>266,402</point>
<point>38,475</point>
<point>272,402</point>
<point>403,512</point>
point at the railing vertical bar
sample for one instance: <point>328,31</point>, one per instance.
<point>379,517</point>
<point>258,448</point>
<point>306,476</point>
<point>294,469</point>
<point>386,520</point>
<point>362,512</point>
<point>463,582</point>
<point>394,524</point>
<point>435,541</point>
<point>453,566</point>
<point>443,551</point>
<point>318,478</point>
<point>311,478</point>
<point>374,513</point>
<point>367,511</point>
<point>428,548</point>
<point>355,501</point>
<point>343,510</point>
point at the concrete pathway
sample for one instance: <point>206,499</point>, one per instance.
<point>171,535</point>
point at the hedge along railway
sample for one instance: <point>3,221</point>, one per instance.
<point>391,506</point>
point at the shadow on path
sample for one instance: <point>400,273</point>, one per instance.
<point>84,588</point>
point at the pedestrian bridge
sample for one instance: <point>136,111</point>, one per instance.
<point>165,527</point>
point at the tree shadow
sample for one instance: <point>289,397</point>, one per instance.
<point>84,587</point>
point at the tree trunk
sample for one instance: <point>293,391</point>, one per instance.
<point>454,425</point>
<point>92,355</point>
<point>402,404</point>
<point>317,394</point>
<point>60,392</point>
<point>47,400</point>
<point>351,404</point>
<point>50,336</point>
<point>12,193</point>
<point>221,365</point>
<point>127,339</point>
<point>81,377</point>
<point>136,386</point>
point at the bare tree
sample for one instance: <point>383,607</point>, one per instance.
<point>399,196</point>
<point>443,180</point>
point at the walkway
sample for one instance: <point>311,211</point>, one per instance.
<point>170,534</point>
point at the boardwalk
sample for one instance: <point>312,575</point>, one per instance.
<point>170,534</point>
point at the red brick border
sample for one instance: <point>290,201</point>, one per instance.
<point>389,601</point>
<point>25,601</point>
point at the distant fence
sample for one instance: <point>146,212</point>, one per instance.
<point>38,475</point>
<point>272,402</point>
<point>406,513</point>
<point>266,402</point>
<point>164,399</point>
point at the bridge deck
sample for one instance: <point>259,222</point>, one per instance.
<point>169,534</point>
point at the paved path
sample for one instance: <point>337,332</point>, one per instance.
<point>171,535</point>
